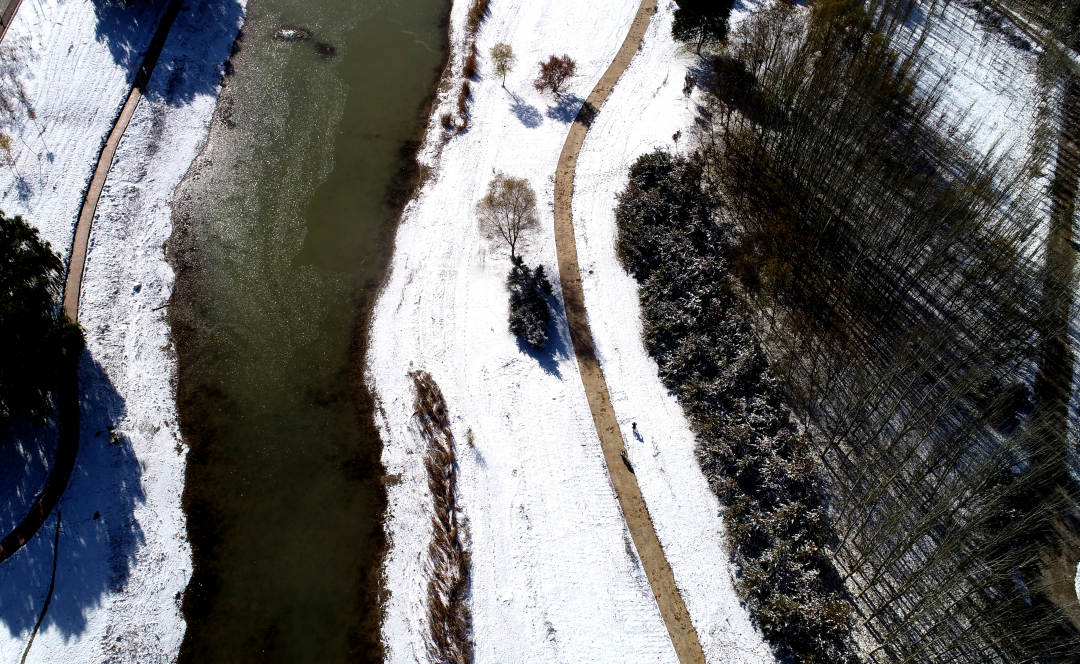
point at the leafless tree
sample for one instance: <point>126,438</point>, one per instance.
<point>508,211</point>
<point>554,73</point>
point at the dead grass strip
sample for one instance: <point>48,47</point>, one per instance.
<point>449,618</point>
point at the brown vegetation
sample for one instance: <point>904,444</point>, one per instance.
<point>554,73</point>
<point>463,102</point>
<point>478,10</point>
<point>449,619</point>
<point>470,68</point>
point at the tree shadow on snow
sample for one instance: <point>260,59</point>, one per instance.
<point>528,114</point>
<point>571,108</point>
<point>566,108</point>
<point>99,535</point>
<point>26,454</point>
<point>193,56</point>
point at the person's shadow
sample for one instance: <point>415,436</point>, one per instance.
<point>99,534</point>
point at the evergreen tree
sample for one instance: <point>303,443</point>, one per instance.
<point>702,21</point>
<point>529,310</point>
<point>35,335</point>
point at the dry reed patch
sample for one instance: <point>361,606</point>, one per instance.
<point>449,619</point>
<point>477,12</point>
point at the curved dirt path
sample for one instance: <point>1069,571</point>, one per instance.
<point>68,391</point>
<point>7,16</point>
<point>73,287</point>
<point>657,569</point>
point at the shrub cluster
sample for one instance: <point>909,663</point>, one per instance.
<point>463,101</point>
<point>449,619</point>
<point>529,309</point>
<point>756,460</point>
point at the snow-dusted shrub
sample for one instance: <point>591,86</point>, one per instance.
<point>463,101</point>
<point>470,68</point>
<point>755,458</point>
<point>529,309</point>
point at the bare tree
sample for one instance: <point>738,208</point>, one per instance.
<point>503,58</point>
<point>554,73</point>
<point>508,211</point>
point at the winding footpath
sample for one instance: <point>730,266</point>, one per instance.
<point>657,570</point>
<point>68,392</point>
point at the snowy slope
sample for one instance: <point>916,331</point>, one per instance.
<point>123,556</point>
<point>554,575</point>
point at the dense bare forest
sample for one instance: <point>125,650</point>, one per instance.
<point>868,323</point>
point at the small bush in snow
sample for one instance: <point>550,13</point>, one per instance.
<point>477,11</point>
<point>463,102</point>
<point>470,67</point>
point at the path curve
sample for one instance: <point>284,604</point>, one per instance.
<point>7,16</point>
<point>661,579</point>
<point>67,397</point>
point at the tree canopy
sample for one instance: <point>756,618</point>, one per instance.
<point>34,333</point>
<point>503,57</point>
<point>554,73</point>
<point>701,21</point>
<point>508,211</point>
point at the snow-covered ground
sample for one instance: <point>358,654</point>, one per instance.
<point>643,113</point>
<point>992,82</point>
<point>123,557</point>
<point>554,574</point>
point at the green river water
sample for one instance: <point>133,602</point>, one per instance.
<point>281,231</point>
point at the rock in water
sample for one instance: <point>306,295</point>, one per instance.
<point>325,51</point>
<point>289,33</point>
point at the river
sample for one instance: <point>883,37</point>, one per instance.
<point>282,232</point>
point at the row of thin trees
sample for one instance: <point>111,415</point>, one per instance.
<point>913,297</point>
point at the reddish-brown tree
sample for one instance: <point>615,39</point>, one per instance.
<point>554,73</point>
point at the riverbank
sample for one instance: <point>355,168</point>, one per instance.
<point>122,557</point>
<point>554,573</point>
<point>280,236</point>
